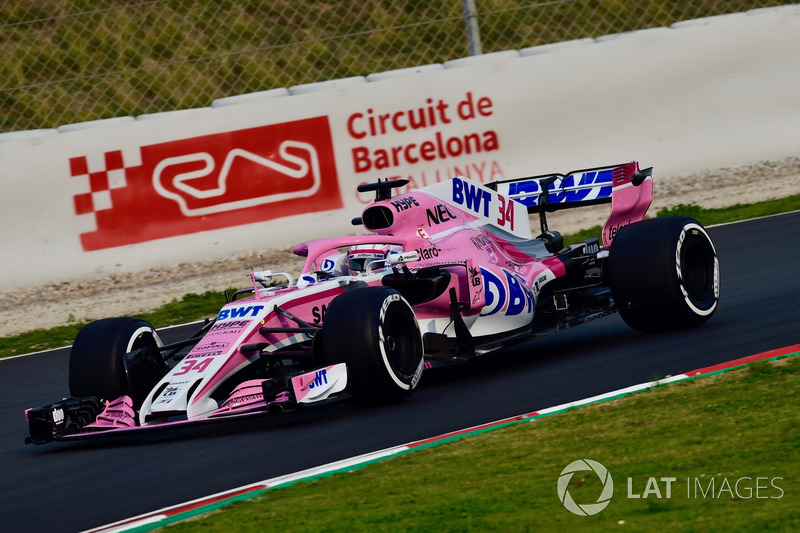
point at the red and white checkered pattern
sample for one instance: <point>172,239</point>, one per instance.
<point>100,181</point>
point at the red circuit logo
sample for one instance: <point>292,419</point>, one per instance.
<point>206,183</point>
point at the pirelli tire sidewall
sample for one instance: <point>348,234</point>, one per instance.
<point>664,274</point>
<point>375,332</point>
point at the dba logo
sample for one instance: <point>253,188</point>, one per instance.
<point>586,509</point>
<point>508,294</point>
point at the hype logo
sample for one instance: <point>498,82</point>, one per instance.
<point>205,183</point>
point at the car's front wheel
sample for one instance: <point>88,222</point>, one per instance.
<point>375,332</point>
<point>113,357</point>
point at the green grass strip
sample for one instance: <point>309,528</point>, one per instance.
<point>70,61</point>
<point>741,426</point>
<point>190,308</point>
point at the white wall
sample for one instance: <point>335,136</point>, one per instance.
<point>702,94</point>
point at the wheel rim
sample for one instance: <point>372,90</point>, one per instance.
<point>400,343</point>
<point>697,271</point>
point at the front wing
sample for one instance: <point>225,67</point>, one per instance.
<point>90,417</point>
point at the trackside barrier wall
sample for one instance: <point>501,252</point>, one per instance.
<point>263,171</point>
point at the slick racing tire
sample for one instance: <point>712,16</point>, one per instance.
<point>664,274</point>
<point>375,332</point>
<point>98,365</point>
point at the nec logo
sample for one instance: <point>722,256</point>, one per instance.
<point>206,183</point>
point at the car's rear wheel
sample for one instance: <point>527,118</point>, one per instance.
<point>375,332</point>
<point>101,363</point>
<point>664,274</point>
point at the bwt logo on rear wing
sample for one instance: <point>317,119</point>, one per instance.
<point>578,188</point>
<point>561,191</point>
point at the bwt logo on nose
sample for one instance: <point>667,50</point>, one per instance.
<point>239,312</point>
<point>205,183</point>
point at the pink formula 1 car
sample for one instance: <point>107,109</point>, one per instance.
<point>447,273</point>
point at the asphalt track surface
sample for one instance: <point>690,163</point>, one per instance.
<point>77,486</point>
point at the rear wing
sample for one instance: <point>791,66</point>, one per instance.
<point>580,188</point>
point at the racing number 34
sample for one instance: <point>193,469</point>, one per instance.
<point>506,212</point>
<point>194,365</point>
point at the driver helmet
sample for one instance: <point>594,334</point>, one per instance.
<point>364,258</point>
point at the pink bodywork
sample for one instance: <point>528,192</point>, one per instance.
<point>117,413</point>
<point>462,254</point>
<point>481,237</point>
